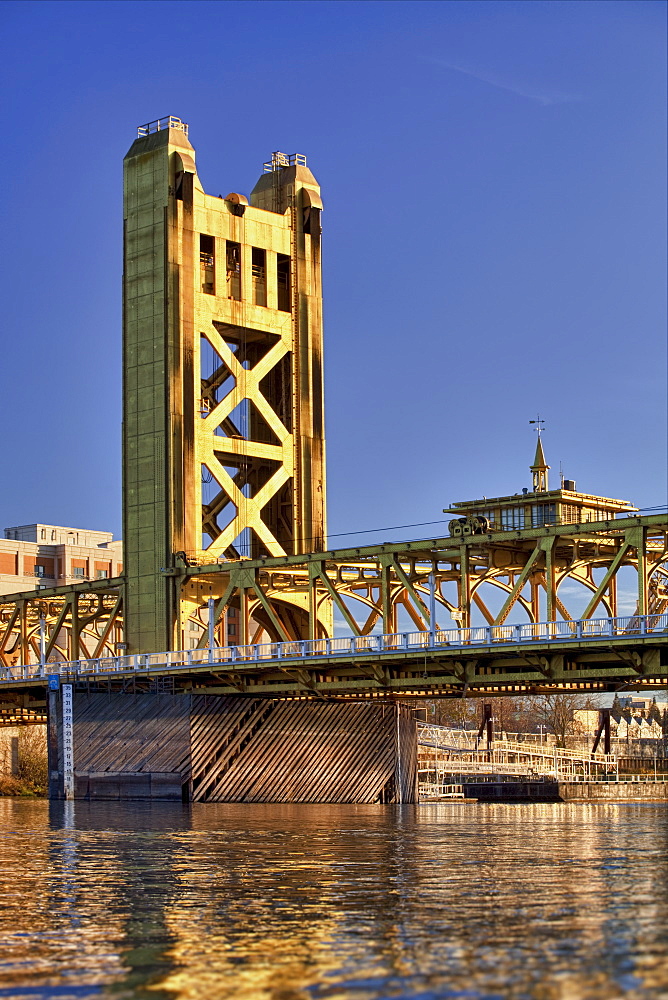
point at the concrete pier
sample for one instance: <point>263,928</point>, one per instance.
<point>209,748</point>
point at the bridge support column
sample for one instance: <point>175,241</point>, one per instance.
<point>55,781</point>
<point>212,748</point>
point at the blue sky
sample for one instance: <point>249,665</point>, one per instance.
<point>494,235</point>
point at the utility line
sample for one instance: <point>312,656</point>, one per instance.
<point>395,527</point>
<point>425,524</point>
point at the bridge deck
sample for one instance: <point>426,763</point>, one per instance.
<point>592,654</point>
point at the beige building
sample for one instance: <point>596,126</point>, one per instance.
<point>35,556</point>
<point>48,555</point>
<point>638,726</point>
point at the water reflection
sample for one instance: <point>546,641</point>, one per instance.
<point>549,901</point>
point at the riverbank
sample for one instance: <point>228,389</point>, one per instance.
<point>13,787</point>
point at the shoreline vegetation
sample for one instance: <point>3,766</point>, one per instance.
<point>11,786</point>
<point>29,778</point>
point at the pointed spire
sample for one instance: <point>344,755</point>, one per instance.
<point>539,462</point>
<point>539,469</point>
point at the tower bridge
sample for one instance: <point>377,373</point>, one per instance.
<point>228,591</point>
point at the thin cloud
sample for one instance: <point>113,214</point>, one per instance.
<point>546,99</point>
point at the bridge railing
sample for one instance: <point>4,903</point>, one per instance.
<point>371,645</point>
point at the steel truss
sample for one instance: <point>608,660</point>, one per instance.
<point>61,623</point>
<point>370,587</point>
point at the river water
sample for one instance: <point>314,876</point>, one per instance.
<point>553,902</point>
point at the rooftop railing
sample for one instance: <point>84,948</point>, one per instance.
<point>160,124</point>
<point>279,160</point>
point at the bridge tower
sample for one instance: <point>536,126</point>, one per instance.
<point>223,437</point>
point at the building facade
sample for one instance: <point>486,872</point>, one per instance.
<point>34,556</point>
<point>37,556</point>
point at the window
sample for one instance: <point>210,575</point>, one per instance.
<point>231,628</point>
<point>207,264</point>
<point>600,515</point>
<point>512,517</point>
<point>259,272</point>
<point>40,570</point>
<point>543,513</point>
<point>43,533</point>
<point>53,536</point>
<point>283,276</point>
<point>101,574</point>
<point>78,571</point>
<point>233,267</point>
<point>570,513</point>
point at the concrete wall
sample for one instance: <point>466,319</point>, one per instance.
<point>562,791</point>
<point>622,791</point>
<point>9,750</point>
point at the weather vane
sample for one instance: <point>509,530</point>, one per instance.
<point>538,423</point>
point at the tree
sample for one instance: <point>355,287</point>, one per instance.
<point>552,713</point>
<point>455,713</point>
<point>557,713</point>
<point>654,714</point>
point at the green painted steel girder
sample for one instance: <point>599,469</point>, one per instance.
<point>432,546</point>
